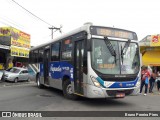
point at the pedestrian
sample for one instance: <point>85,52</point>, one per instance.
<point>145,76</point>
<point>158,81</point>
<point>152,81</point>
<point>9,64</point>
<point>24,66</point>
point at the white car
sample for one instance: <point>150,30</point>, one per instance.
<point>16,74</point>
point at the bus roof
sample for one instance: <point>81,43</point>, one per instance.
<point>85,27</point>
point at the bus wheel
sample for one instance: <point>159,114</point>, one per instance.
<point>67,90</point>
<point>39,85</point>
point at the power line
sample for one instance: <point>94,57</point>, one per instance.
<point>5,23</point>
<point>12,22</point>
<point>31,13</point>
<point>51,28</point>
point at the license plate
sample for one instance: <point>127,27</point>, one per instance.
<point>120,95</point>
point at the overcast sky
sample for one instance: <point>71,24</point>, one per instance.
<point>140,16</point>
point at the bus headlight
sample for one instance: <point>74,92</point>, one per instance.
<point>138,83</point>
<point>95,82</point>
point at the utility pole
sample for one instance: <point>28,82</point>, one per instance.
<point>54,28</point>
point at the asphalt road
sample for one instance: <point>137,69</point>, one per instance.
<point>27,97</point>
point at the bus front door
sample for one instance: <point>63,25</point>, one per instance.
<point>46,66</point>
<point>79,55</point>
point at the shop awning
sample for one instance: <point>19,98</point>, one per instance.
<point>151,58</point>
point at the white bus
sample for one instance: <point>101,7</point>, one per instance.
<point>91,61</point>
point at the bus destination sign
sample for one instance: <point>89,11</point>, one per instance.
<point>113,32</point>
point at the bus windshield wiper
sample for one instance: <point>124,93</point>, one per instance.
<point>124,49</point>
<point>110,47</point>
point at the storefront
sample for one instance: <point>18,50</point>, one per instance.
<point>14,46</point>
<point>150,49</point>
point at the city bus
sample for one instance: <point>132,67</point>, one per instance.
<point>91,61</point>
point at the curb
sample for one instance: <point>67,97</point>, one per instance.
<point>12,84</point>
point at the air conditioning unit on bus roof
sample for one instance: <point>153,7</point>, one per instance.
<point>88,23</point>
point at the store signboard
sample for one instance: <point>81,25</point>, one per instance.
<point>18,41</point>
<point>155,40</point>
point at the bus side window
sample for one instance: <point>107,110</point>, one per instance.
<point>55,55</point>
<point>40,57</point>
<point>34,56</point>
<point>67,49</point>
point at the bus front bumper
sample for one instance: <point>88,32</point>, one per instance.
<point>96,92</point>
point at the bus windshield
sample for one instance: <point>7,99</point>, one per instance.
<point>122,63</point>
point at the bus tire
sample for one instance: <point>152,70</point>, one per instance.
<point>67,90</point>
<point>39,85</point>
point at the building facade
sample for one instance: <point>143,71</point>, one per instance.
<point>14,46</point>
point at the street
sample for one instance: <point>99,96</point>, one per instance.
<point>27,97</point>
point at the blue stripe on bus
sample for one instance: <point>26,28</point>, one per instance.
<point>100,81</point>
<point>58,69</point>
<point>41,70</point>
<point>126,84</point>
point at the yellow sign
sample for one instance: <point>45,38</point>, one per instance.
<point>20,41</point>
<point>19,38</point>
<point>20,52</point>
<point>155,40</point>
<point>151,58</point>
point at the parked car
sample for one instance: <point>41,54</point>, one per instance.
<point>16,74</point>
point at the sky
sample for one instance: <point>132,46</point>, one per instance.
<point>140,16</point>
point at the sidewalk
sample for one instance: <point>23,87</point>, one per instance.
<point>155,91</point>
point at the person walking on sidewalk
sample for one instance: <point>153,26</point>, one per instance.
<point>158,81</point>
<point>152,81</point>
<point>145,75</point>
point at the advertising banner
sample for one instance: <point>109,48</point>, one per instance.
<point>20,39</point>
